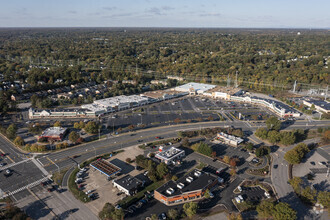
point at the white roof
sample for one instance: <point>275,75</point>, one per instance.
<point>198,87</point>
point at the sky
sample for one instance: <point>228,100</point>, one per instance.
<point>166,13</point>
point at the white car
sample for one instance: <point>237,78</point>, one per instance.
<point>88,192</point>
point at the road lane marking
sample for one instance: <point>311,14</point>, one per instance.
<point>38,199</point>
<point>40,167</point>
<point>14,164</point>
<point>25,187</point>
<point>7,156</point>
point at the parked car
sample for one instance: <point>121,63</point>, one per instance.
<point>2,164</point>
<point>162,216</point>
<point>88,192</point>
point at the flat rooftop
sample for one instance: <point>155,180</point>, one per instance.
<point>128,182</point>
<point>231,137</point>
<point>117,100</point>
<point>159,93</point>
<point>198,87</point>
<point>169,153</point>
<point>105,167</point>
<point>198,183</point>
<point>321,103</point>
<point>53,131</point>
<point>228,90</point>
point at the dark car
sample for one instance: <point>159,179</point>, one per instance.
<point>313,163</point>
<point>275,166</point>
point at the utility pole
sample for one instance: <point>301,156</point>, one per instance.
<point>326,93</point>
<point>136,70</point>
<point>228,81</point>
<point>294,86</point>
<point>236,83</point>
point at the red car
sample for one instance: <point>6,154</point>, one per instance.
<point>2,155</point>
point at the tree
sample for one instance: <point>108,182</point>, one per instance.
<point>292,157</point>
<point>226,159</point>
<point>249,146</point>
<point>185,142</point>
<point>287,138</point>
<point>324,198</point>
<point>214,154</point>
<point>205,149</point>
<point>173,214</point>
<point>308,195</point>
<point>177,120</point>
<point>284,211</point>
<point>326,137</point>
<point>262,151</point>
<point>57,124</point>
<point>295,182</point>
<point>232,172</point>
<point>19,141</point>
<point>162,170</point>
<point>92,127</point>
<point>273,123</point>
<point>190,209</point>
<point>234,216</point>
<point>11,131</point>
<point>262,133</point>
<point>154,217</point>
<point>265,209</point>
<point>273,136</point>
<point>207,194</point>
<point>152,173</point>
<point>73,136</point>
<point>233,162</point>
<point>131,127</point>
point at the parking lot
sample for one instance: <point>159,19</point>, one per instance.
<point>98,183</point>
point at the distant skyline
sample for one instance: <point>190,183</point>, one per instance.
<point>169,13</point>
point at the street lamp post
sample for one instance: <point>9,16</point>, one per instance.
<point>95,151</point>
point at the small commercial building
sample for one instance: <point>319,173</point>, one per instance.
<point>186,189</point>
<point>170,155</point>
<point>128,184</point>
<point>320,105</point>
<point>105,167</point>
<point>61,113</point>
<point>162,95</point>
<point>229,139</point>
<point>53,133</point>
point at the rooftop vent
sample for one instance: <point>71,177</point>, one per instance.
<point>170,191</point>
<point>189,179</point>
<point>180,185</point>
<point>197,173</point>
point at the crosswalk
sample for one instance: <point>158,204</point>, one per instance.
<point>24,187</point>
<point>14,164</point>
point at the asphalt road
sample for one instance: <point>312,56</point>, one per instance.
<point>27,172</point>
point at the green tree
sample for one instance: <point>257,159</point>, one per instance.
<point>19,141</point>
<point>73,136</point>
<point>173,214</point>
<point>262,133</point>
<point>11,131</point>
<point>273,123</point>
<point>262,151</point>
<point>249,146</point>
<point>190,209</point>
<point>57,124</point>
<point>92,127</point>
<point>284,211</point>
<point>295,182</point>
<point>308,195</point>
<point>324,198</point>
<point>265,209</point>
<point>162,170</point>
<point>292,157</point>
<point>205,149</point>
<point>287,138</point>
<point>207,194</point>
<point>273,136</point>
<point>154,217</point>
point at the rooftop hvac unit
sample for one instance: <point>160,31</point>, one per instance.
<point>189,179</point>
<point>180,185</point>
<point>170,191</point>
<point>197,173</point>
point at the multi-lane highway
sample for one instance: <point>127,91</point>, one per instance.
<point>29,171</point>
